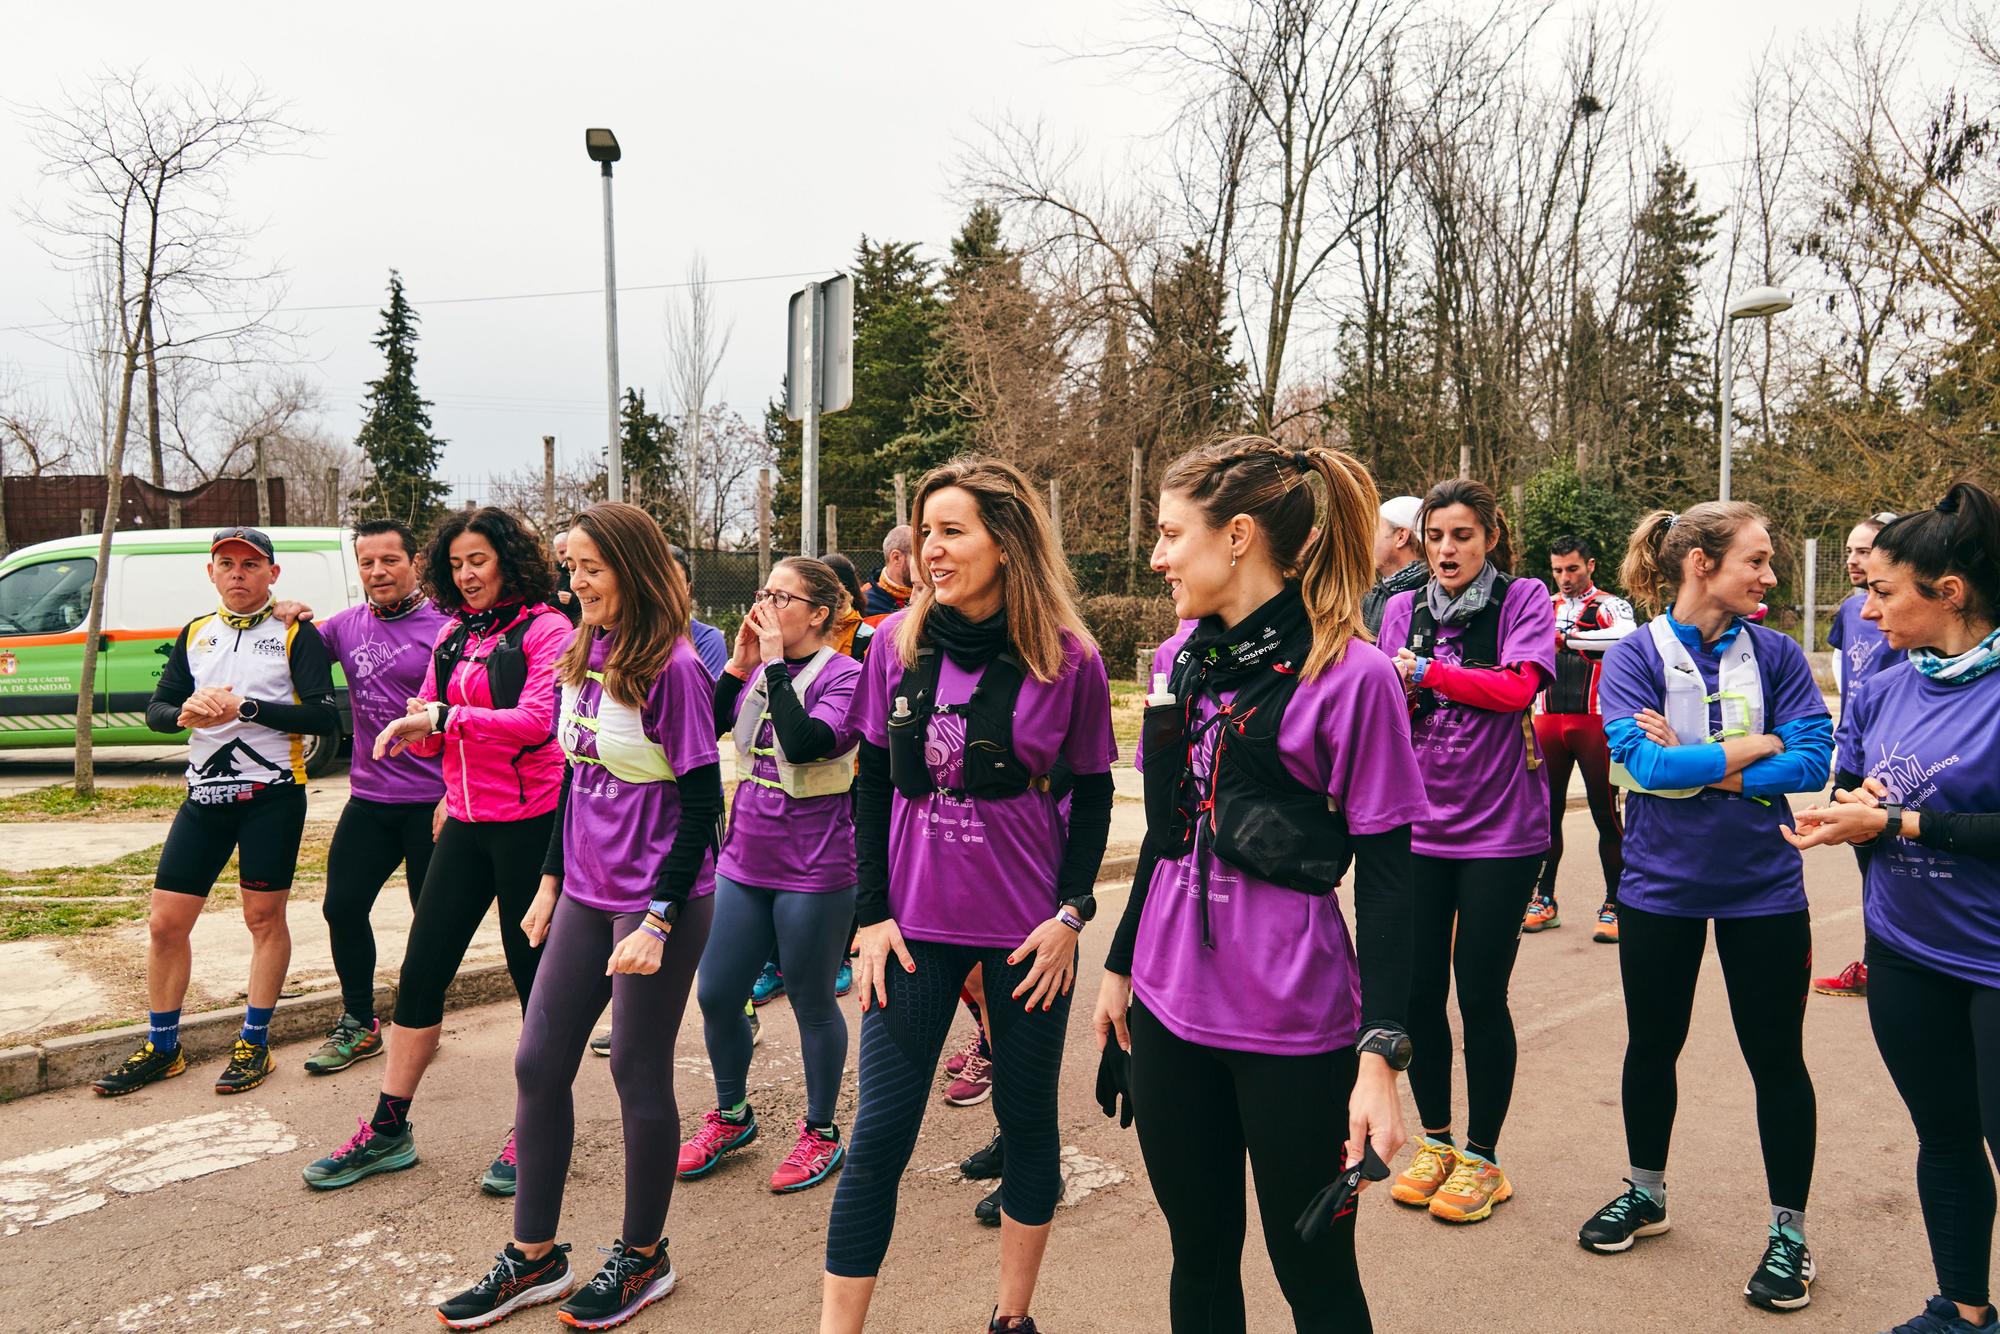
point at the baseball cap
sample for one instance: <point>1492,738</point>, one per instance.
<point>1401,511</point>
<point>249,537</point>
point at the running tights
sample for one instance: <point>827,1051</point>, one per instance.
<point>1468,927</point>
<point>646,1011</point>
<point>1199,1111</point>
<point>811,929</point>
<point>1577,739</point>
<point>372,838</point>
<point>474,864</point>
<point>900,1046</point>
<point>1940,1037</point>
<point>1766,965</point>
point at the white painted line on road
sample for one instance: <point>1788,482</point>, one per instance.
<point>47,1187</point>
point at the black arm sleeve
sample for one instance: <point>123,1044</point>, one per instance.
<point>1089,827</point>
<point>872,793</point>
<point>1384,925</point>
<point>701,806</point>
<point>312,682</point>
<point>1125,940</point>
<point>801,736</point>
<point>1850,781</point>
<point>1976,834</point>
<point>175,685</point>
<point>729,689</point>
<point>552,860</point>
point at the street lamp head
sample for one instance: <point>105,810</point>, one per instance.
<point>602,145</point>
<point>1760,303</point>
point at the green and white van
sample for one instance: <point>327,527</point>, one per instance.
<point>158,583</point>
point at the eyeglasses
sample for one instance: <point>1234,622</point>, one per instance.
<point>777,597</point>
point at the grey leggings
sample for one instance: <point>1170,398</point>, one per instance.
<point>810,931</point>
<point>646,1011</point>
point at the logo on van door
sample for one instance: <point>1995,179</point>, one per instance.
<point>9,664</point>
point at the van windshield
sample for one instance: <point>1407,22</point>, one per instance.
<point>51,598</point>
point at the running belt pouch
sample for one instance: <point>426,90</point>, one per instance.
<point>1163,764</point>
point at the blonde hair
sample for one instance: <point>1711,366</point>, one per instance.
<point>1660,545</point>
<point>1037,588</point>
<point>1332,556</point>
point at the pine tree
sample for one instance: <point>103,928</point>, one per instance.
<point>651,455</point>
<point>396,438</point>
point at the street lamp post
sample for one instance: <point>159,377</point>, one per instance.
<point>1759,303</point>
<point>602,145</point>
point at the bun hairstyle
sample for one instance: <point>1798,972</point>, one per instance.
<point>1661,544</point>
<point>1330,551</point>
<point>1961,536</point>
<point>654,605</point>
<point>823,588</point>
<point>1479,498</point>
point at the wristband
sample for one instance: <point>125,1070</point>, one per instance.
<point>1417,675</point>
<point>654,932</point>
<point>1070,918</point>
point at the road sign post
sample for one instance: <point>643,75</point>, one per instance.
<point>819,378</point>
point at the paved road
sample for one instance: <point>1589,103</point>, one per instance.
<point>140,1214</point>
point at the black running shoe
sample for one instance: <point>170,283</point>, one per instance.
<point>987,1211</point>
<point>1783,1281</point>
<point>1612,1228</point>
<point>983,1165</point>
<point>627,1284</point>
<point>141,1068</point>
<point>1010,1324</point>
<point>513,1283</point>
<point>249,1064</point>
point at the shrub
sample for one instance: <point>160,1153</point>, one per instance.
<point>1124,625</point>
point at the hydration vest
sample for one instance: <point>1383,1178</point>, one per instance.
<point>807,778</point>
<point>1739,690</point>
<point>506,666</point>
<point>1575,687</point>
<point>1478,646</point>
<point>622,745</point>
<point>991,768</point>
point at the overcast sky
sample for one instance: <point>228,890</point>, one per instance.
<point>767,137</point>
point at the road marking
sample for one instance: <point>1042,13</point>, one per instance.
<point>47,1187</point>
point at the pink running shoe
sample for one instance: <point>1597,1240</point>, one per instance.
<point>974,1084</point>
<point>717,1136</point>
<point>810,1162</point>
<point>956,1061</point>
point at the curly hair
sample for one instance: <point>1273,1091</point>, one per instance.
<point>524,567</point>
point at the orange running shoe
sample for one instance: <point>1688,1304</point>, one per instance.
<point>1607,925</point>
<point>1471,1192</point>
<point>1542,915</point>
<point>1427,1171</point>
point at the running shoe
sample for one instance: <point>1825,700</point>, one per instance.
<point>974,1084</point>
<point>512,1284</point>
<point>1427,1171</point>
<point>600,1043</point>
<point>627,1284</point>
<point>810,1162</point>
<point>1783,1280</point>
<point>1542,915</point>
<point>756,1024</point>
<point>369,1152</point>
<point>141,1068</point>
<point>1849,981</point>
<point>956,1061</point>
<point>1470,1192</point>
<point>770,985</point>
<point>350,1041</point>
<point>1940,1316</point>
<point>498,1179</point>
<point>1607,925</point>
<point>987,1211</point>
<point>1010,1324</point>
<point>1613,1228</point>
<point>984,1164</point>
<point>843,981</point>
<point>250,1064</point>
<point>718,1135</point>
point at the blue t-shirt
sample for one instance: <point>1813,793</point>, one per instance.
<point>1715,854</point>
<point>1863,651</point>
<point>709,646</point>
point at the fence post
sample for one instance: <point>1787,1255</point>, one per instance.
<point>1133,486</point>
<point>84,520</point>
<point>832,529</point>
<point>1055,511</point>
<point>263,486</point>
<point>173,512</point>
<point>763,526</point>
<point>1812,594</point>
<point>333,496</point>
<point>902,501</point>
<point>548,484</point>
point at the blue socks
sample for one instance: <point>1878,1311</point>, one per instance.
<point>257,1023</point>
<point>164,1029</point>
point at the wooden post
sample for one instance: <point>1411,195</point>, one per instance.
<point>333,496</point>
<point>1133,488</point>
<point>902,501</point>
<point>84,521</point>
<point>763,526</point>
<point>548,484</point>
<point>1055,510</point>
<point>263,487</point>
<point>1465,460</point>
<point>832,528</point>
<point>173,511</point>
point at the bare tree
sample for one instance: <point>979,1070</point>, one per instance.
<point>697,341</point>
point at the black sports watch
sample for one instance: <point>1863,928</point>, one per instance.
<point>1391,1044</point>
<point>1894,810</point>
<point>1085,905</point>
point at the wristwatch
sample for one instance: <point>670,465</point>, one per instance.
<point>1391,1044</point>
<point>665,909</point>
<point>438,711</point>
<point>1073,913</point>
<point>1894,810</point>
<point>247,710</point>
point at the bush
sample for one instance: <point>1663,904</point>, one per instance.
<point>1124,625</point>
<point>1555,502</point>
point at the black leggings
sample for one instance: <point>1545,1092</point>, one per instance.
<point>474,864</point>
<point>900,1046</point>
<point>1199,1109</point>
<point>1940,1037</point>
<point>1468,925</point>
<point>372,838</point>
<point>1766,964</point>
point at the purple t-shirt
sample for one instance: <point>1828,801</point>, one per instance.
<point>1280,978</point>
<point>982,870</point>
<point>1715,854</point>
<point>617,833</point>
<point>1484,799</point>
<point>1936,747</point>
<point>798,843</point>
<point>1863,651</point>
<point>385,662</point>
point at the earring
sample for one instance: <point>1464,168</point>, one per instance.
<point>1232,560</point>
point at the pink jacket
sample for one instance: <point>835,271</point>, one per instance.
<point>500,764</point>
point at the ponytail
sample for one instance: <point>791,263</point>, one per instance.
<point>1657,554</point>
<point>1338,564</point>
<point>1640,571</point>
<point>1960,536</point>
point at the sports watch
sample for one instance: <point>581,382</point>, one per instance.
<point>247,710</point>
<point>1894,810</point>
<point>1073,913</point>
<point>1391,1044</point>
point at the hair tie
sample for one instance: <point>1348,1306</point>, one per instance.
<point>1302,461</point>
<point>1672,518</point>
<point>1949,505</point>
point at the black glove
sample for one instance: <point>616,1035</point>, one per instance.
<point>1336,1200</point>
<point>1114,1080</point>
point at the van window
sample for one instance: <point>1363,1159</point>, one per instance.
<point>51,598</point>
<point>156,590</point>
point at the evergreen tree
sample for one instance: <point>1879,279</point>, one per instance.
<point>651,454</point>
<point>396,438</point>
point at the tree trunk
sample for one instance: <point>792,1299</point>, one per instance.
<point>159,456</point>
<point>114,476</point>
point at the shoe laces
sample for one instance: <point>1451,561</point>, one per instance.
<point>977,1068</point>
<point>715,1130</point>
<point>1429,1161</point>
<point>611,1277</point>
<point>507,1150</point>
<point>504,1271</point>
<point>1850,976</point>
<point>1938,1317</point>
<point>347,1026</point>
<point>1785,1255</point>
<point>1607,914</point>
<point>811,1149</point>
<point>1465,1178</point>
<point>244,1053</point>
<point>361,1138</point>
<point>138,1058</point>
<point>970,1048</point>
<point>1625,1205</point>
